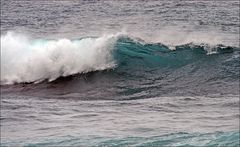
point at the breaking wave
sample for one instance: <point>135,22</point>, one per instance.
<point>24,60</point>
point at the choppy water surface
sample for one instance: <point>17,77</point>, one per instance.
<point>145,73</point>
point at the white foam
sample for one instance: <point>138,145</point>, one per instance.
<point>26,60</point>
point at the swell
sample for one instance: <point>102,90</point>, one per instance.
<point>26,61</point>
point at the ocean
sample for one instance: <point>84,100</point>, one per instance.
<point>120,73</point>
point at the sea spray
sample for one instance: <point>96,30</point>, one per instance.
<point>25,60</point>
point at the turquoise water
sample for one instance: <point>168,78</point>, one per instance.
<point>178,139</point>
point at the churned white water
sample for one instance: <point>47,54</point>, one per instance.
<point>25,60</point>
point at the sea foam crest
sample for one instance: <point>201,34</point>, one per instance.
<point>25,60</point>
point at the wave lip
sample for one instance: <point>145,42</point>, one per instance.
<point>25,60</point>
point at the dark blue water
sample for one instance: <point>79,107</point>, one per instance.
<point>108,73</point>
